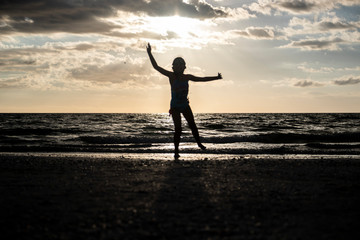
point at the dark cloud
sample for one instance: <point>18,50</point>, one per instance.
<point>83,47</point>
<point>291,6</point>
<point>316,44</point>
<point>75,16</point>
<point>17,62</point>
<point>349,81</point>
<point>42,16</point>
<point>298,6</point>
<point>307,83</point>
<point>258,33</point>
<point>325,26</point>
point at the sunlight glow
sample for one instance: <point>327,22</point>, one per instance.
<point>171,31</point>
<point>181,26</point>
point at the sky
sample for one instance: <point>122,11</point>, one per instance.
<point>89,56</point>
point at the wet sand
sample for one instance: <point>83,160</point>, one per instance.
<point>47,197</point>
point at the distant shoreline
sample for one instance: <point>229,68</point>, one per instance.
<point>169,156</point>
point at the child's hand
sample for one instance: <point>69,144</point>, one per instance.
<point>148,48</point>
<point>219,76</point>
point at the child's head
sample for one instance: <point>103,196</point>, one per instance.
<point>179,65</point>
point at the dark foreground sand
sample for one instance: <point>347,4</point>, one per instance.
<point>97,198</point>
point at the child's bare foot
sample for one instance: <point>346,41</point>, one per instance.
<point>201,146</point>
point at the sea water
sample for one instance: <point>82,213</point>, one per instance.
<point>223,134</point>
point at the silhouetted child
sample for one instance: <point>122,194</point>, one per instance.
<point>179,97</point>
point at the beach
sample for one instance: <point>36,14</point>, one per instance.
<point>89,196</point>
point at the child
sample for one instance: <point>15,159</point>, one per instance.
<point>179,97</point>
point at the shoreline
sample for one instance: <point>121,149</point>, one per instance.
<point>183,156</point>
<point>95,197</point>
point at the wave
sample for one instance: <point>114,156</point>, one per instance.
<point>222,133</point>
<point>333,146</point>
<point>149,148</point>
<point>152,134</point>
<point>261,138</point>
<point>156,128</point>
<point>123,140</point>
<point>40,131</point>
<point>289,138</point>
<point>215,126</point>
<point>304,138</point>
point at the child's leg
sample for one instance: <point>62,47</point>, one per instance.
<point>177,123</point>
<point>189,116</point>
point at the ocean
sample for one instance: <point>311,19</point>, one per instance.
<point>335,134</point>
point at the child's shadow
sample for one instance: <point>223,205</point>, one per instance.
<point>182,204</point>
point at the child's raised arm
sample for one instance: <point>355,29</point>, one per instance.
<point>203,79</point>
<point>154,64</point>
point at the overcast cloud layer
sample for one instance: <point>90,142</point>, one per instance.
<point>43,16</point>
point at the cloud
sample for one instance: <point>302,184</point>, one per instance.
<point>42,16</point>
<point>260,8</point>
<point>193,9</point>
<point>14,62</point>
<point>83,47</point>
<point>330,24</point>
<point>143,34</point>
<point>294,82</point>
<point>134,21</point>
<point>347,81</point>
<point>298,7</point>
<point>305,68</point>
<point>351,69</point>
<point>324,34</point>
<point>49,16</point>
<point>291,6</point>
<point>257,33</point>
<point>116,72</point>
<point>71,66</point>
<point>326,26</point>
<point>307,83</point>
<point>12,83</point>
<point>315,44</point>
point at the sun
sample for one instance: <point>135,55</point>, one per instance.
<point>183,27</point>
